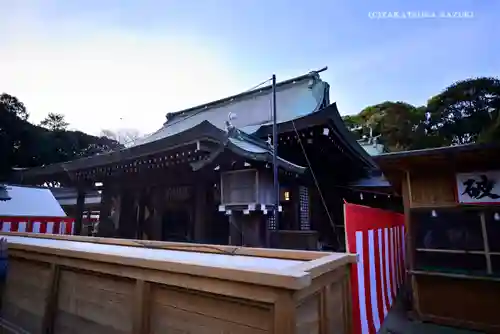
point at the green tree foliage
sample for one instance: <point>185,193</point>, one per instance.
<point>23,144</point>
<point>465,112</point>
<point>54,122</point>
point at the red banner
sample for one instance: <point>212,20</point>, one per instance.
<point>377,237</point>
<point>50,225</point>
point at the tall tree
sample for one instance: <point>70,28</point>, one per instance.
<point>12,105</point>
<point>54,122</point>
<point>395,122</point>
<point>466,111</point>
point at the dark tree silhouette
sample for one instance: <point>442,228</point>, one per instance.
<point>14,106</point>
<point>25,145</point>
<point>54,122</point>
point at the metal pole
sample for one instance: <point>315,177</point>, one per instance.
<point>275,159</point>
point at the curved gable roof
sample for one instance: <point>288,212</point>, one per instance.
<point>295,98</point>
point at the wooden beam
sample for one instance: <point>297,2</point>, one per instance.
<point>141,314</point>
<point>284,314</point>
<point>51,300</point>
<point>284,254</point>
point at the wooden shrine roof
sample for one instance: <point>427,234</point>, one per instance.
<point>295,98</point>
<point>302,102</point>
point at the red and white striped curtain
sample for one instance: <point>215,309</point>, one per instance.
<point>49,225</point>
<point>378,238</point>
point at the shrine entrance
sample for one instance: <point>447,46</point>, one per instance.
<point>176,224</point>
<point>177,217</point>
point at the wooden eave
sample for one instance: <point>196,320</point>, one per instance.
<point>330,118</point>
<point>454,157</point>
<point>195,146</point>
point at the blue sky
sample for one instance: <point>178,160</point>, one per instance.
<point>122,63</point>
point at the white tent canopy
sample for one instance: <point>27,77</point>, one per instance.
<point>30,202</point>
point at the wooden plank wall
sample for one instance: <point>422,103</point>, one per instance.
<point>24,301</point>
<point>436,189</point>
<point>326,307</point>
<point>88,303</point>
<point>477,307</point>
<point>174,310</point>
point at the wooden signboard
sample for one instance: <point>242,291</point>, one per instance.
<point>70,284</point>
<point>478,187</point>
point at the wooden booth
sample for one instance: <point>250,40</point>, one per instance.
<point>206,175</point>
<point>452,211</point>
<point>70,284</point>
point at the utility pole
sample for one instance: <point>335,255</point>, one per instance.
<point>275,158</point>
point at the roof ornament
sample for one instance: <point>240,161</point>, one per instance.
<point>315,77</point>
<point>4,194</point>
<point>229,124</point>
<point>311,81</point>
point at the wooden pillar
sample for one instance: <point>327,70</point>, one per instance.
<point>157,200</point>
<point>235,231</point>
<point>295,198</point>
<point>127,219</point>
<point>245,230</point>
<point>251,225</point>
<point>141,214</point>
<point>200,208</point>
<point>80,205</point>
<point>89,222</point>
<point>105,209</point>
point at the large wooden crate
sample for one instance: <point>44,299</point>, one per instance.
<point>68,284</point>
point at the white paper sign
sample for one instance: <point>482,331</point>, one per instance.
<point>479,187</point>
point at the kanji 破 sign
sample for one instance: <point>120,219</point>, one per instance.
<point>478,187</point>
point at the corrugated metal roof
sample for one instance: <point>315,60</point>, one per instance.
<point>294,99</point>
